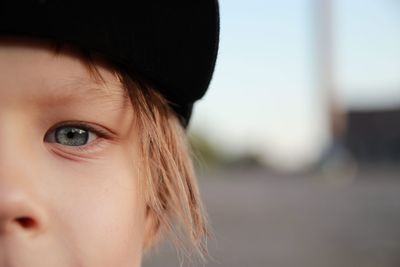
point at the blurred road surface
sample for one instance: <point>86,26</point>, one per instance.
<point>261,220</point>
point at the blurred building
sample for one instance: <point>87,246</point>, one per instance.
<point>363,136</point>
<point>373,135</point>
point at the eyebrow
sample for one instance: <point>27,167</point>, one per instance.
<point>74,90</point>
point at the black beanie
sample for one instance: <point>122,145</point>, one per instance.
<point>170,44</point>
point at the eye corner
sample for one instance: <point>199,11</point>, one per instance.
<point>48,138</point>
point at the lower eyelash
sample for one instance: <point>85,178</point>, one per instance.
<point>92,147</point>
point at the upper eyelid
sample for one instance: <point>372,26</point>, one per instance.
<point>81,124</point>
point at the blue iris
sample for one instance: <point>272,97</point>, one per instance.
<point>71,136</point>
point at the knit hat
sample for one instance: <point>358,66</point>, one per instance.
<point>170,44</point>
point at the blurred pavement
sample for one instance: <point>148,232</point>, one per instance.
<point>261,219</point>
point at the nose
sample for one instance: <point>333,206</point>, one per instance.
<point>21,208</point>
<point>19,213</point>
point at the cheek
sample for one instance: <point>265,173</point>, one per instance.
<point>97,208</point>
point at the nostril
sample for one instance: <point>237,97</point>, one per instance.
<point>26,222</point>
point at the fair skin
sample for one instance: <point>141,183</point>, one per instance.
<point>60,204</point>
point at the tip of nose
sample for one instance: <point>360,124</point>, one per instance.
<point>18,212</point>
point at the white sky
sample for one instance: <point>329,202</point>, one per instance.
<point>263,95</point>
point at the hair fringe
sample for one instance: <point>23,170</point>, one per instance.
<point>174,198</point>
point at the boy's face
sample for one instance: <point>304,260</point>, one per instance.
<point>68,195</point>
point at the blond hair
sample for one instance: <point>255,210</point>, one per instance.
<point>170,185</point>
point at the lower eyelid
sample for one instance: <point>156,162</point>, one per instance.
<point>92,147</point>
<point>96,146</point>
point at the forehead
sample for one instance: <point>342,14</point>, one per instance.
<point>34,70</point>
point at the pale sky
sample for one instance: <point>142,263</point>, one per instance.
<point>263,96</point>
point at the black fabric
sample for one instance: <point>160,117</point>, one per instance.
<point>170,44</point>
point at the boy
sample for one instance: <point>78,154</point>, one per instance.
<point>94,101</point>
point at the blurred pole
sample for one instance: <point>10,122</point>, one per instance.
<point>336,163</point>
<point>326,69</point>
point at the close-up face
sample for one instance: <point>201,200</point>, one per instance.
<point>68,164</point>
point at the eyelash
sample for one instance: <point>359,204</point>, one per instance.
<point>88,148</point>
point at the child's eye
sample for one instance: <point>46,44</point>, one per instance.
<point>72,136</point>
<point>75,135</point>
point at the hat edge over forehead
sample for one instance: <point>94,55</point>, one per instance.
<point>171,44</point>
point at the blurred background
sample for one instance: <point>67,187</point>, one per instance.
<point>297,141</point>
